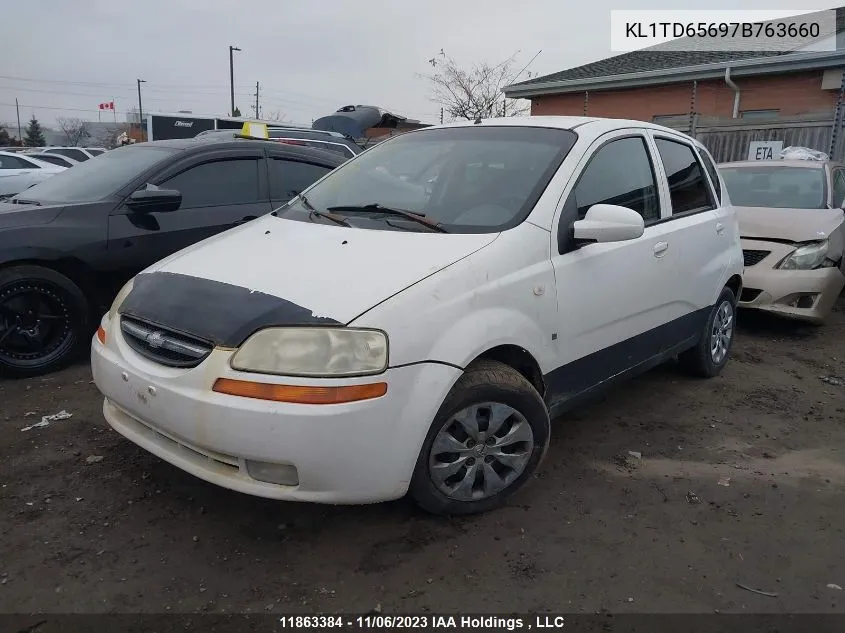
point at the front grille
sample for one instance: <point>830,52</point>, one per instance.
<point>754,257</point>
<point>162,345</point>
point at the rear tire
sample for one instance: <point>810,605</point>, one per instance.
<point>44,321</point>
<point>485,442</point>
<point>709,357</point>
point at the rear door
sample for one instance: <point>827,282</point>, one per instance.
<point>700,233</point>
<point>220,189</point>
<point>290,176</point>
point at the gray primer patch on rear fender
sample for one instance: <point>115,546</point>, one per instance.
<point>221,313</point>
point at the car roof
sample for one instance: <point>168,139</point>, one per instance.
<point>810,164</point>
<point>203,143</point>
<point>595,126</point>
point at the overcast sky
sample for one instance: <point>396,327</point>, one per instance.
<point>63,57</point>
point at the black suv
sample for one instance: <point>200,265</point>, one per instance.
<point>68,244</point>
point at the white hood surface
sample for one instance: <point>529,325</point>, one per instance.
<point>334,272</point>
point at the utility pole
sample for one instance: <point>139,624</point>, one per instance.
<point>141,111</point>
<point>232,49</point>
<point>18,111</point>
<point>257,115</point>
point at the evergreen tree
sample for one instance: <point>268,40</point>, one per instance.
<point>5,139</point>
<point>237,113</point>
<point>34,136</point>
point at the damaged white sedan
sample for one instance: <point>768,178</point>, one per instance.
<point>412,321</point>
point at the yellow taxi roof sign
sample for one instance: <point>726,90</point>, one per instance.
<point>255,130</point>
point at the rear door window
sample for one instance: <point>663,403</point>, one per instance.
<point>687,185</point>
<point>714,176</point>
<point>289,178</point>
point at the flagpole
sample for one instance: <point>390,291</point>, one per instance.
<point>99,114</point>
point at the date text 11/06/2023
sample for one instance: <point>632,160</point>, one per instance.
<point>429,622</point>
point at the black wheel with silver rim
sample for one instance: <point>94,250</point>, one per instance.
<point>43,321</point>
<point>487,439</point>
<point>711,354</point>
<point>721,333</point>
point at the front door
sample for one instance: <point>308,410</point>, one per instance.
<point>218,192</point>
<point>612,297</point>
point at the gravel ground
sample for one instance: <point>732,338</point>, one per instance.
<point>736,480</point>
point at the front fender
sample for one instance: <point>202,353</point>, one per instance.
<point>470,337</point>
<point>28,253</point>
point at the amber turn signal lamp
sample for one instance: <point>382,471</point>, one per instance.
<point>101,335</point>
<point>299,394</point>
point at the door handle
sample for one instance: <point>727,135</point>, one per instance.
<point>720,228</point>
<point>660,249</point>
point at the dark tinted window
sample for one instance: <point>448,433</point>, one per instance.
<point>687,185</point>
<point>55,160</point>
<point>775,186</point>
<point>218,183</point>
<point>619,173</point>
<point>101,176</point>
<point>13,162</point>
<point>75,154</point>
<point>289,178</point>
<point>95,152</point>
<point>714,176</point>
<point>838,187</point>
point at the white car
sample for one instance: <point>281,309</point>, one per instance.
<point>349,349</point>
<point>79,154</point>
<point>19,171</point>
<point>55,159</point>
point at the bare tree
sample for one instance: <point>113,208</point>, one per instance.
<point>76,130</point>
<point>110,137</point>
<point>276,116</point>
<point>477,91</point>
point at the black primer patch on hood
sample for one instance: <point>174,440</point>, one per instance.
<point>221,313</point>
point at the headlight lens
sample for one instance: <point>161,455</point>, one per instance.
<point>806,257</point>
<point>120,298</point>
<point>304,351</point>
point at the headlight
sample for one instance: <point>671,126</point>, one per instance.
<point>120,298</point>
<point>306,351</point>
<point>806,257</point>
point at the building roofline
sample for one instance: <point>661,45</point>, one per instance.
<point>790,62</point>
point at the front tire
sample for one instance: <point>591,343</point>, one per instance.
<point>44,319</point>
<point>486,440</point>
<point>709,357</point>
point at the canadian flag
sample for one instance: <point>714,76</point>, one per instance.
<point>109,105</point>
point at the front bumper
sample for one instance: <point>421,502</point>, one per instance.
<point>358,452</point>
<point>806,295</point>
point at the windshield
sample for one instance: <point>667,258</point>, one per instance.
<point>100,176</point>
<point>480,179</point>
<point>775,187</point>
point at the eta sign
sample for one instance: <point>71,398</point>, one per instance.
<point>764,150</point>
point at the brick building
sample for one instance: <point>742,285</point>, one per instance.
<point>659,84</point>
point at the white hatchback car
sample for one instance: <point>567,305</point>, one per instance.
<point>414,320</point>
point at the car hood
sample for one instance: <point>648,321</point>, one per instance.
<point>275,271</point>
<point>21,215</point>
<point>795,225</point>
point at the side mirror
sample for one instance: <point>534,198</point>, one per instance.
<point>608,223</point>
<point>152,199</point>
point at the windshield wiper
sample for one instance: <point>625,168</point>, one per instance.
<point>337,219</point>
<point>378,208</point>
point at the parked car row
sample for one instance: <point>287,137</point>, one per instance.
<point>445,293</point>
